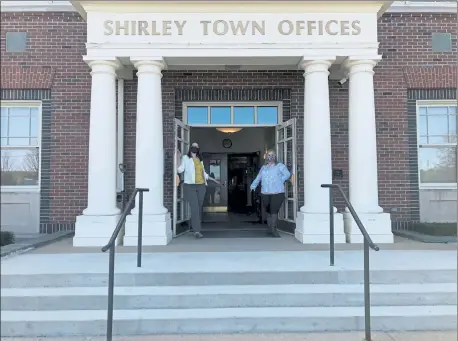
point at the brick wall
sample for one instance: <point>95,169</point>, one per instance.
<point>56,40</point>
<point>405,42</point>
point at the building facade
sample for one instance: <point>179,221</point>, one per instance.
<point>99,98</point>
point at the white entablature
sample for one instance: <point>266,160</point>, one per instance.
<point>267,34</point>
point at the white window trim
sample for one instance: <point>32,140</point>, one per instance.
<point>233,104</point>
<point>21,103</point>
<point>436,103</point>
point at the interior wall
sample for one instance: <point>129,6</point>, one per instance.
<point>248,140</point>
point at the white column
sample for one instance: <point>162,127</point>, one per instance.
<point>149,162</point>
<point>312,224</point>
<point>362,155</point>
<point>99,219</point>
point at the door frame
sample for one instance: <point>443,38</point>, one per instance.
<point>184,141</point>
<point>287,224</point>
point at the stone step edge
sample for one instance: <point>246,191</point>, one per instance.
<point>134,271</point>
<point>225,313</point>
<point>420,288</point>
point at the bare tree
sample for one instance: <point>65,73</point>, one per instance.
<point>31,161</point>
<point>6,162</point>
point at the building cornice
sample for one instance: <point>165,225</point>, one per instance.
<point>66,6</point>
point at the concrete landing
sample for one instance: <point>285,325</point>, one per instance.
<point>377,336</point>
<point>183,262</point>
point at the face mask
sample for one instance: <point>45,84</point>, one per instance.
<point>270,158</point>
<point>194,150</point>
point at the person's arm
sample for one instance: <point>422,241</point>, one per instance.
<point>182,165</point>
<point>285,173</point>
<point>256,181</point>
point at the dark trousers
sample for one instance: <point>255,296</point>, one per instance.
<point>195,195</point>
<point>272,202</point>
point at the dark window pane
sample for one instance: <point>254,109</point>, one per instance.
<point>437,165</point>
<point>267,115</point>
<point>243,115</point>
<point>19,167</point>
<point>220,115</point>
<point>197,115</point>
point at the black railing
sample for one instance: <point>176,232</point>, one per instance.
<point>367,244</point>
<point>112,246</point>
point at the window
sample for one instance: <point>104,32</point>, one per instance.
<point>437,143</point>
<point>20,145</point>
<point>230,114</point>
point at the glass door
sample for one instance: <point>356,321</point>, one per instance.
<point>216,195</point>
<point>285,134</point>
<point>181,209</point>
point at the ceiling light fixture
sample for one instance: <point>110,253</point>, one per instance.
<point>229,130</point>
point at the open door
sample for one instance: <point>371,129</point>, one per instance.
<point>285,140</point>
<point>217,194</point>
<point>181,209</point>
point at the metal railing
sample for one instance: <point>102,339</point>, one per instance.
<point>111,245</point>
<point>367,244</point>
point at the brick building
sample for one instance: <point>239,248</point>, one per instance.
<point>71,141</point>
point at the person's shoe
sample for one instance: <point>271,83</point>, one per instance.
<point>198,235</point>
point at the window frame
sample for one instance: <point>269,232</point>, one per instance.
<point>433,103</point>
<point>232,104</point>
<point>27,104</point>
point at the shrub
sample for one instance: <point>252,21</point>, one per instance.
<point>6,238</point>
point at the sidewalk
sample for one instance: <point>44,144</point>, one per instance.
<point>376,336</point>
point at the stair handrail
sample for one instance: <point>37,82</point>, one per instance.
<point>111,245</point>
<point>368,243</point>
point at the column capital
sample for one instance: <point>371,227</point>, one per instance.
<point>360,64</point>
<point>319,64</point>
<point>103,65</point>
<point>148,65</point>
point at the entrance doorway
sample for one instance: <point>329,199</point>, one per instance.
<point>233,154</point>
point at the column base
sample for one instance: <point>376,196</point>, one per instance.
<point>378,225</point>
<point>157,230</point>
<point>313,228</point>
<point>95,230</point>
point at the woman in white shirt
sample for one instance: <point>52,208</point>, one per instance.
<point>195,182</point>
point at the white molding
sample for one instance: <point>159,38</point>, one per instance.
<point>37,6</point>
<point>422,7</point>
<point>66,6</point>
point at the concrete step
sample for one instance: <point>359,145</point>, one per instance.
<point>147,277</point>
<point>228,320</point>
<point>205,297</point>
